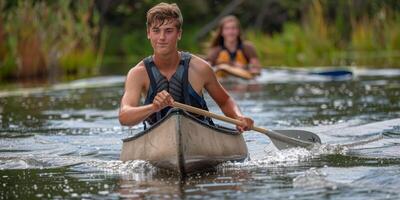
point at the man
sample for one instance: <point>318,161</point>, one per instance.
<point>169,75</point>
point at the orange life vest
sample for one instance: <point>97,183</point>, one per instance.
<point>224,56</point>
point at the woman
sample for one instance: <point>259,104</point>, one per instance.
<point>228,48</point>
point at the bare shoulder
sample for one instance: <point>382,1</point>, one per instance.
<point>137,73</point>
<point>137,69</point>
<point>213,52</point>
<point>200,65</point>
<point>137,76</point>
<point>249,49</point>
<point>215,49</point>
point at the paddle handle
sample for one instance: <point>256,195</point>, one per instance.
<point>272,134</point>
<point>215,116</point>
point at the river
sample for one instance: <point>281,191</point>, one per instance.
<point>63,141</point>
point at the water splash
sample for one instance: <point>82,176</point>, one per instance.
<point>313,179</point>
<point>122,167</point>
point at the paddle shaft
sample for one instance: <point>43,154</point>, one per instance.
<point>242,73</point>
<point>267,132</point>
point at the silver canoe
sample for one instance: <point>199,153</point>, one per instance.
<point>182,143</point>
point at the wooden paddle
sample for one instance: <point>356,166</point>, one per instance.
<point>235,71</point>
<point>282,139</point>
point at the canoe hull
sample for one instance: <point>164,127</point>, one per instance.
<point>183,144</point>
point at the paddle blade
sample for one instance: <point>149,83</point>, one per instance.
<point>301,135</point>
<point>333,73</point>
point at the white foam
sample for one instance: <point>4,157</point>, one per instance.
<point>286,157</point>
<point>313,179</point>
<point>122,167</point>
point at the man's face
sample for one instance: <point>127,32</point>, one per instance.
<point>164,38</point>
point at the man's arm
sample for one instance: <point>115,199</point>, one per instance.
<point>220,95</point>
<point>130,112</point>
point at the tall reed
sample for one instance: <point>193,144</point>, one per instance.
<point>49,38</point>
<point>367,41</point>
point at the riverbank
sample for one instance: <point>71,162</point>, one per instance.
<point>87,42</point>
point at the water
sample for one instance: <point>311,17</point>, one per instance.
<point>63,142</point>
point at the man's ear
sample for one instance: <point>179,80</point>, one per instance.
<point>180,34</point>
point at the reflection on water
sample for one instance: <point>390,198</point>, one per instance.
<point>64,141</point>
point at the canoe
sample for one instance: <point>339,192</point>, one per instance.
<point>181,143</point>
<point>224,71</point>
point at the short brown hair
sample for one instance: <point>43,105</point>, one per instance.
<point>164,12</point>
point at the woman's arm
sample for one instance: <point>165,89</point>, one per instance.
<point>251,53</point>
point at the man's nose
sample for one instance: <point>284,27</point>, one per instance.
<point>162,35</point>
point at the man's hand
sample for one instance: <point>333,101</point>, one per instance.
<point>247,124</point>
<point>162,100</point>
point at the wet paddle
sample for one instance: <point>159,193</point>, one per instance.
<point>282,139</point>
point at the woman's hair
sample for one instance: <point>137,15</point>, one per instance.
<point>164,13</point>
<point>217,39</point>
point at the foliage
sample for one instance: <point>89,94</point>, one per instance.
<point>83,37</point>
<point>45,36</point>
<point>373,40</point>
<point>294,33</point>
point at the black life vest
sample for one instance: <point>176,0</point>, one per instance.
<point>178,86</point>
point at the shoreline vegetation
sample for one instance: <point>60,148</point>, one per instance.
<point>373,41</point>
<point>73,39</point>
